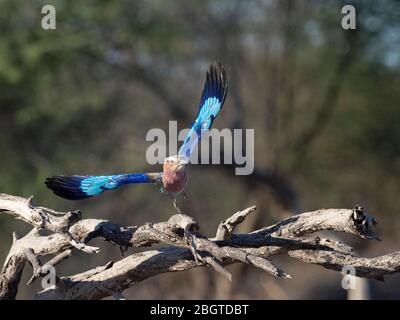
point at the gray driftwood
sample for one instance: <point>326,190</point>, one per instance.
<point>185,248</point>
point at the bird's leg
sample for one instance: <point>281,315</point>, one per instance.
<point>176,206</point>
<point>175,201</point>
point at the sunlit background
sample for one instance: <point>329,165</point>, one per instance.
<point>323,101</point>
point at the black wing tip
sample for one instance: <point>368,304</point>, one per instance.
<point>217,81</point>
<point>67,187</point>
<point>218,73</point>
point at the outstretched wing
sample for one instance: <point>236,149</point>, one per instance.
<point>81,187</point>
<point>211,102</point>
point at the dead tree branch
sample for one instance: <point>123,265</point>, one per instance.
<point>186,248</point>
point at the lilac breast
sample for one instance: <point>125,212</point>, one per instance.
<point>174,177</point>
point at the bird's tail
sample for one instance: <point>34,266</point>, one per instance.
<point>82,187</point>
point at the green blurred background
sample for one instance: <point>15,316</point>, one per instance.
<point>324,103</point>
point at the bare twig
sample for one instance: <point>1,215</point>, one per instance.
<point>227,226</point>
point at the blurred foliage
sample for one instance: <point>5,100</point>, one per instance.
<point>324,103</point>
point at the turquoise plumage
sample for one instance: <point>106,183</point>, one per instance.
<point>174,176</point>
<point>211,102</point>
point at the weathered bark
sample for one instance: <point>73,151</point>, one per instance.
<point>186,249</point>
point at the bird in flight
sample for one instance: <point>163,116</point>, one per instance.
<point>174,176</point>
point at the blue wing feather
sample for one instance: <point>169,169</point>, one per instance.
<point>81,187</point>
<point>211,102</point>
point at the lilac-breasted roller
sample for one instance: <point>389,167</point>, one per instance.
<point>174,176</point>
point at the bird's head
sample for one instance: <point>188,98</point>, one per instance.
<point>175,162</point>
